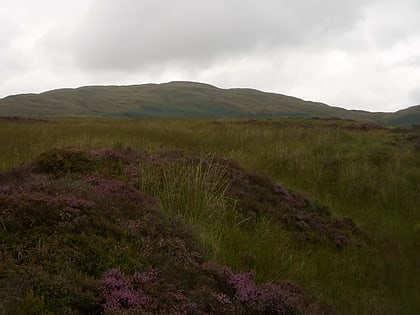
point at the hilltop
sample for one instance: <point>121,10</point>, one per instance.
<point>184,100</point>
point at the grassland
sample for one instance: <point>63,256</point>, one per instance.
<point>371,175</point>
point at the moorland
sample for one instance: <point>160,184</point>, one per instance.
<point>224,216</point>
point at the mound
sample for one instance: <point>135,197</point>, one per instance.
<point>78,237</point>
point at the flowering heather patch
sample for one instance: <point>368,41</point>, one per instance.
<point>73,202</point>
<point>106,154</point>
<point>143,278</point>
<point>267,298</point>
<point>121,295</point>
<point>225,302</point>
<point>311,222</point>
<point>116,157</point>
<point>119,190</point>
<point>245,289</point>
<point>231,293</point>
<point>5,189</point>
<point>127,295</point>
<point>182,304</point>
<point>24,209</point>
<point>72,227</point>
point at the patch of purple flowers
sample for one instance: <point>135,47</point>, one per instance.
<point>5,189</point>
<point>222,298</point>
<point>143,278</point>
<point>246,290</point>
<point>77,203</point>
<point>271,298</point>
<point>107,154</point>
<point>183,305</point>
<point>121,295</point>
<point>120,190</point>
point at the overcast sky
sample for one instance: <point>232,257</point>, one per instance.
<point>360,54</point>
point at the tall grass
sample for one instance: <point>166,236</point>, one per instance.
<point>371,176</point>
<point>196,193</point>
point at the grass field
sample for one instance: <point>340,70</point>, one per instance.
<point>369,174</point>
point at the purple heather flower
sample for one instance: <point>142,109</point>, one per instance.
<point>104,153</point>
<point>142,278</point>
<point>246,290</point>
<point>222,298</point>
<point>5,189</point>
<point>121,294</point>
<point>119,189</point>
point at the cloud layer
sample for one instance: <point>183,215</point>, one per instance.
<point>358,54</point>
<point>132,34</point>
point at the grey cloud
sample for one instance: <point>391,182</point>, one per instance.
<point>10,56</point>
<point>10,27</point>
<point>415,61</point>
<point>415,96</point>
<point>9,30</point>
<point>130,34</point>
<point>412,61</point>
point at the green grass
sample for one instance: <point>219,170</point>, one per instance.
<point>371,176</point>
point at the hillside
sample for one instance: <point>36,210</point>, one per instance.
<point>184,99</point>
<point>404,117</point>
<point>175,99</point>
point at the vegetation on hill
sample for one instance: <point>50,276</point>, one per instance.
<point>222,216</point>
<point>183,100</point>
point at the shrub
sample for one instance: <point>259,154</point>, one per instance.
<point>61,162</point>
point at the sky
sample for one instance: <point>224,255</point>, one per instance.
<point>360,54</point>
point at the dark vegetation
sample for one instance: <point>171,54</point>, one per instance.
<point>185,99</point>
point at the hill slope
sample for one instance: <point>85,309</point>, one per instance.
<point>404,117</point>
<point>182,99</point>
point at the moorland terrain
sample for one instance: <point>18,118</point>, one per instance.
<point>187,216</point>
<point>207,216</point>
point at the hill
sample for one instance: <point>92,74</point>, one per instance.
<point>184,99</point>
<point>404,117</point>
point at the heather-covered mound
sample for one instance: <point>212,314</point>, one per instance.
<point>79,235</point>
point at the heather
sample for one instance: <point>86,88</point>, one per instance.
<point>79,237</point>
<point>311,216</point>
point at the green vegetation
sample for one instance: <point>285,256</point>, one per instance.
<point>184,99</point>
<point>330,204</point>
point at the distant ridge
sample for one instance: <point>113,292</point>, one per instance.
<point>184,99</point>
